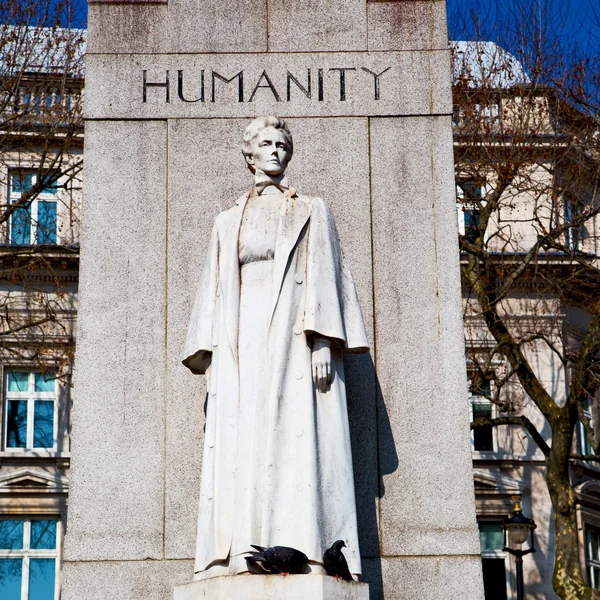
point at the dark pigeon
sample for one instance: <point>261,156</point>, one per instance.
<point>335,562</point>
<point>278,559</point>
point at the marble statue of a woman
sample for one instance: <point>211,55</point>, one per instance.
<point>275,311</point>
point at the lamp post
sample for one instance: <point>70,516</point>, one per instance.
<point>517,528</point>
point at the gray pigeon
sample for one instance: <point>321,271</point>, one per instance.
<point>335,562</point>
<point>278,559</point>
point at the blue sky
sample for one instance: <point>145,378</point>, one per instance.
<point>79,13</point>
<point>74,12</point>
<point>577,22</point>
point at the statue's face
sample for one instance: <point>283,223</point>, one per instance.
<point>270,152</point>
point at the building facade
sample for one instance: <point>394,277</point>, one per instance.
<point>40,192</point>
<point>527,199</point>
<point>41,144</point>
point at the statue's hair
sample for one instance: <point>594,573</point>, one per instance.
<point>257,126</point>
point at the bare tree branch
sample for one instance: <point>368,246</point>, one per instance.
<point>519,420</point>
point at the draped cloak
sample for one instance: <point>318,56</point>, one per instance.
<point>308,483</point>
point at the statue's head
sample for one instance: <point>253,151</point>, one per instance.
<point>268,145</point>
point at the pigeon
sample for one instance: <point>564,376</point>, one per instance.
<point>335,562</point>
<point>278,559</point>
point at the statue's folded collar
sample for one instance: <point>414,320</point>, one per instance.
<point>263,181</point>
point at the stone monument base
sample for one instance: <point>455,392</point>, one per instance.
<point>273,587</point>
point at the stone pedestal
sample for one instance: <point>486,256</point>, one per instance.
<point>273,587</point>
<point>366,89</point>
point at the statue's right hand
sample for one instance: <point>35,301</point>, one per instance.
<point>321,363</point>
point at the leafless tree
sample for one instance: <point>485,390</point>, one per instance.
<point>41,132</point>
<point>528,168</point>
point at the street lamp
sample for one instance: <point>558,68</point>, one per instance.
<point>516,531</point>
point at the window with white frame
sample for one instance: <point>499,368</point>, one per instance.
<point>483,438</point>
<point>468,196</point>
<point>592,556</point>
<point>29,562</point>
<point>493,560</point>
<point>583,442</point>
<point>574,235</point>
<point>35,222</point>
<point>30,410</point>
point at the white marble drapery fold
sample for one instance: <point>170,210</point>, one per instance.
<point>307,486</point>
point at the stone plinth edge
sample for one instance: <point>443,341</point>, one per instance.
<point>273,587</point>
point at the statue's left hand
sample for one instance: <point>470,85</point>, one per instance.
<point>321,363</point>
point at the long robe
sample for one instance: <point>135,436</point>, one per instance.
<point>308,483</point>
